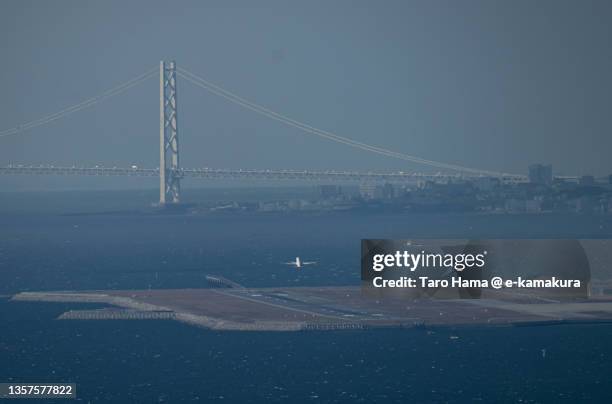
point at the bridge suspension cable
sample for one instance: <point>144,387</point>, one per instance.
<point>221,92</point>
<point>81,105</point>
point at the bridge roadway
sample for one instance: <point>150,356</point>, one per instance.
<point>244,174</point>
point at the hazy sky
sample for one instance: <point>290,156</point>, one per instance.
<point>487,84</point>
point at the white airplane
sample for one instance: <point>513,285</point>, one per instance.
<point>299,263</point>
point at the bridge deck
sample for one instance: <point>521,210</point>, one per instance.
<point>243,174</point>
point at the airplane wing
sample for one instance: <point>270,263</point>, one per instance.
<point>309,263</point>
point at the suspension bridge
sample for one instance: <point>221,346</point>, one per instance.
<point>170,172</point>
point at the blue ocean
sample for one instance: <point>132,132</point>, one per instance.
<point>111,240</point>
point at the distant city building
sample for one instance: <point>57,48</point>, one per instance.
<point>377,191</point>
<point>586,204</point>
<point>586,180</point>
<point>514,205</point>
<point>388,191</point>
<point>486,183</point>
<point>540,174</point>
<point>371,191</point>
<point>522,206</point>
<point>533,205</point>
<point>329,191</point>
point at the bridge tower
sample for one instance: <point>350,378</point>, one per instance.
<point>169,169</point>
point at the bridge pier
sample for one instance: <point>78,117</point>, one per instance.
<point>169,169</point>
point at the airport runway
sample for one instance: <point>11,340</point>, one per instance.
<point>292,309</point>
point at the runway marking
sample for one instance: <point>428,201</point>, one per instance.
<point>281,306</point>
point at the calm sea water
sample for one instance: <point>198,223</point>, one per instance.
<point>84,241</point>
